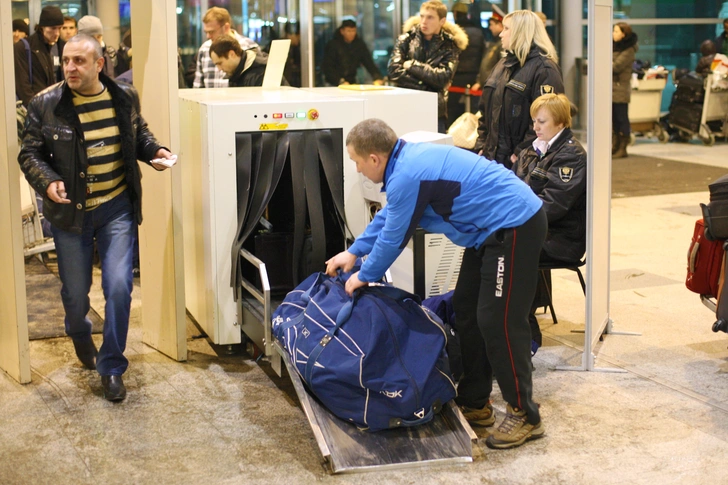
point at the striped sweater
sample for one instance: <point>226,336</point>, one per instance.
<point>105,174</point>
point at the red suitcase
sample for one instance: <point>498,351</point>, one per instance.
<point>705,261</point>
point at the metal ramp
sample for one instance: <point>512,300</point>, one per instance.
<point>447,439</point>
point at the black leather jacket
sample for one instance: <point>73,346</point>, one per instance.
<point>432,70</point>
<point>53,149</point>
<point>559,179</point>
<point>502,133</point>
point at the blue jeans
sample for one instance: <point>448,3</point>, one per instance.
<point>112,226</point>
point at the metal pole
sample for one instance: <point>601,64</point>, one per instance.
<point>307,66</point>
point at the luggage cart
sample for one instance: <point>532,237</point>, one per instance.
<point>644,110</point>
<point>714,108</point>
<point>33,240</point>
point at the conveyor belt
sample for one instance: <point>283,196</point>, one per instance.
<point>446,439</point>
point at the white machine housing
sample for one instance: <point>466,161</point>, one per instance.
<point>209,120</point>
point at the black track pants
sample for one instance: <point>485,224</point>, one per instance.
<point>492,303</point>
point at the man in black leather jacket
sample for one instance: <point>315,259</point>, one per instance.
<point>426,55</point>
<point>80,149</point>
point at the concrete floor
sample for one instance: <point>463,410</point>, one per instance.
<point>230,420</point>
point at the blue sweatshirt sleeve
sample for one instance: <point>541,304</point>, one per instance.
<point>389,243</point>
<point>364,243</point>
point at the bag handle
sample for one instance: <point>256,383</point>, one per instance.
<point>426,417</point>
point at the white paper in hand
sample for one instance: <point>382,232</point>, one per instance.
<point>168,162</point>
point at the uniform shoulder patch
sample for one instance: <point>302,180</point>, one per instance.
<point>546,89</point>
<point>565,173</point>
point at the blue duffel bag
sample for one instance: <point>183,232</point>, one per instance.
<point>376,359</point>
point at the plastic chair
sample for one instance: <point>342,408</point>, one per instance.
<point>547,266</point>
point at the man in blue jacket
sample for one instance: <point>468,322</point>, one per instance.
<point>482,206</point>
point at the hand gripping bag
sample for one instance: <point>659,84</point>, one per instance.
<point>376,359</point>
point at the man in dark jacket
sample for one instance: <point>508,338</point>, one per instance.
<point>721,46</point>
<point>426,56</point>
<point>469,62</point>
<point>344,54</point>
<point>80,149</point>
<point>45,56</point>
<point>243,68</point>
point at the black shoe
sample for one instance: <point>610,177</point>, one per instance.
<point>86,352</point>
<point>114,389</point>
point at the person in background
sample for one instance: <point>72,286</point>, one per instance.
<point>45,53</point>
<point>529,70</point>
<point>69,28</point>
<point>542,16</point>
<point>624,48</point>
<point>80,149</point>
<point>292,71</point>
<point>721,46</point>
<point>477,204</point>
<point>20,30</point>
<point>344,54</point>
<point>494,50</point>
<point>216,22</point>
<point>123,55</point>
<point>707,51</point>
<point>90,25</point>
<point>243,68</point>
<point>426,56</point>
<point>468,64</point>
<point>554,166</point>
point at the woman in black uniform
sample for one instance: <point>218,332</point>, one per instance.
<point>528,70</point>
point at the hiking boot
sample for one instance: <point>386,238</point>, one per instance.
<point>514,430</point>
<point>479,417</point>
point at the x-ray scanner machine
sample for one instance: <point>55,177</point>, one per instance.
<point>269,195</point>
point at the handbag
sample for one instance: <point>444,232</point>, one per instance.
<point>376,359</point>
<point>464,130</point>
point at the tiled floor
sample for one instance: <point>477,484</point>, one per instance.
<point>228,419</point>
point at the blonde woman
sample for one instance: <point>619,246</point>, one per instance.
<point>528,70</point>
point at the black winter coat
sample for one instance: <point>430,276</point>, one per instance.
<point>470,58</point>
<point>53,149</point>
<point>44,73</point>
<point>341,60</point>
<point>252,75</point>
<point>506,126</point>
<point>559,179</point>
<point>432,69</point>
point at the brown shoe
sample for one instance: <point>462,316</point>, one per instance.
<point>514,430</point>
<point>479,417</point>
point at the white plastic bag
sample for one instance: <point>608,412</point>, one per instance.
<point>719,68</point>
<point>464,130</point>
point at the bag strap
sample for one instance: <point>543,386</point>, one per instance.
<point>341,318</point>
<point>30,62</point>
<point>392,292</point>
